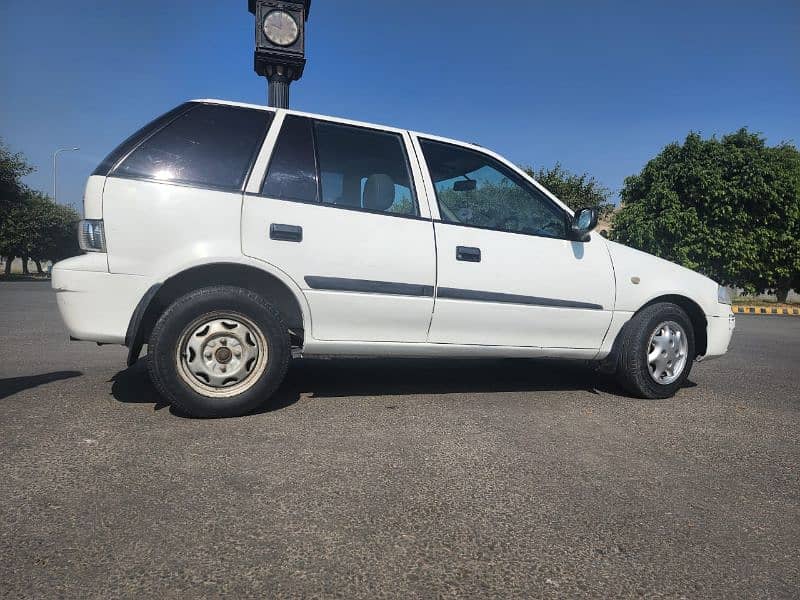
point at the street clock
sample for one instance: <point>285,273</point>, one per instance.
<point>280,28</point>
<point>280,44</point>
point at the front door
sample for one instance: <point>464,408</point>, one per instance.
<point>507,274</point>
<point>338,212</point>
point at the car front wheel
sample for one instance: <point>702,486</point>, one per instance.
<point>657,351</point>
<point>218,351</point>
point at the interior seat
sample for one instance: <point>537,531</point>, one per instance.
<point>378,192</point>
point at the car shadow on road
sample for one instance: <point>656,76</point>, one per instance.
<point>12,385</point>
<point>337,378</point>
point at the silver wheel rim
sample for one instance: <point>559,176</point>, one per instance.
<point>221,354</point>
<point>667,352</point>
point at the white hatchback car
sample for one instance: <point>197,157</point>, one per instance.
<point>230,237</point>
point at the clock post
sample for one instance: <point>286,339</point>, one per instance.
<point>280,44</point>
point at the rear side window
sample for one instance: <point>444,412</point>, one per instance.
<point>364,168</point>
<point>129,144</point>
<point>207,146</point>
<point>341,165</point>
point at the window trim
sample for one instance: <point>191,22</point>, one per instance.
<point>318,173</point>
<point>197,186</point>
<point>188,107</point>
<point>516,178</point>
<point>368,211</point>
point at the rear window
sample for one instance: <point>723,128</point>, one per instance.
<point>207,145</point>
<point>131,142</point>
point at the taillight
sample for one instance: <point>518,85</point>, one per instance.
<point>92,235</point>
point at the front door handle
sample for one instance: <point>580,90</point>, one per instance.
<point>468,254</point>
<point>285,233</point>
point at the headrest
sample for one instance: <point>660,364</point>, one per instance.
<point>378,192</point>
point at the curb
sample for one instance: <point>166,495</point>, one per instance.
<point>765,310</point>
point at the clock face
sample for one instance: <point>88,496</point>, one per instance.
<point>281,28</point>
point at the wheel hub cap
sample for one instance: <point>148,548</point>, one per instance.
<point>221,355</point>
<point>667,352</point>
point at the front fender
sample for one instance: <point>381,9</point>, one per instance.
<point>642,277</point>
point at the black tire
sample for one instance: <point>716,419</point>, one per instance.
<point>163,363</point>
<point>633,371</point>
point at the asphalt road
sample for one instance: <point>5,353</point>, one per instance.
<point>510,478</point>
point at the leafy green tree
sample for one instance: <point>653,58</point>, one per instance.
<point>576,191</point>
<point>727,207</point>
<point>32,226</point>
<point>38,229</point>
<point>53,234</point>
<point>13,167</point>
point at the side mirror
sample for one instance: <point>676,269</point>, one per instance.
<point>583,222</point>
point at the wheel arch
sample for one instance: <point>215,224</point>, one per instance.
<point>289,303</point>
<point>693,311</point>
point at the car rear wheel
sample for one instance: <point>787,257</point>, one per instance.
<point>657,351</point>
<point>218,351</point>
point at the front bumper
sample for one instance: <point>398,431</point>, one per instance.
<point>96,305</point>
<point>719,332</point>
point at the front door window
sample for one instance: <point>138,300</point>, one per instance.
<point>476,190</point>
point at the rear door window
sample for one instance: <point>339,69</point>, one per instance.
<point>341,165</point>
<point>364,168</point>
<point>209,146</point>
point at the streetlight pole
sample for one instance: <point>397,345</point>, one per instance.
<point>55,168</point>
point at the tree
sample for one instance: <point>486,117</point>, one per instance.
<point>39,229</point>
<point>576,191</point>
<point>728,207</point>
<point>57,237</point>
<point>32,226</point>
<point>13,167</point>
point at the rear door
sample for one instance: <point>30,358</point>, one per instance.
<point>335,207</point>
<point>507,274</point>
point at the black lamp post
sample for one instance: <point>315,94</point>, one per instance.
<point>280,44</point>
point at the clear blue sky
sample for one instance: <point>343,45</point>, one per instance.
<point>598,86</point>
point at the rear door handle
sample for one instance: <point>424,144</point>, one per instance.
<point>468,254</point>
<point>285,233</point>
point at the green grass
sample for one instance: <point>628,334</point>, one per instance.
<point>747,301</point>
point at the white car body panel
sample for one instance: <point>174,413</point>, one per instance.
<point>93,197</point>
<point>349,244</point>
<point>657,277</point>
<point>94,304</point>
<point>527,266</point>
<point>156,230</point>
<point>519,264</point>
<point>151,227</point>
